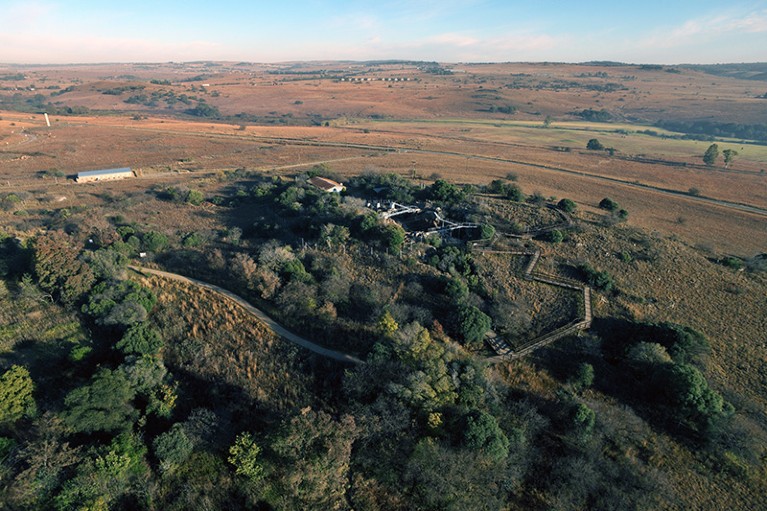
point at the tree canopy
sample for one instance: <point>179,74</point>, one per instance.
<point>59,268</point>
<point>711,155</point>
<point>103,404</point>
<point>244,454</point>
<point>16,394</point>
<point>594,145</point>
<point>473,324</point>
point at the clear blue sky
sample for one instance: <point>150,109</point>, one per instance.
<point>641,31</point>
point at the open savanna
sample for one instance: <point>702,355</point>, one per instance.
<point>178,151</point>
<point>299,90</point>
<point>626,139</point>
<point>665,280</point>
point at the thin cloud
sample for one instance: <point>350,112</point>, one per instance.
<point>27,13</point>
<point>455,47</point>
<point>453,39</point>
<point>55,50</point>
<point>359,21</point>
<point>710,27</point>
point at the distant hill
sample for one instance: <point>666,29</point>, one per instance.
<point>743,71</point>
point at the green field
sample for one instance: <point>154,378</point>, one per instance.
<point>621,136</point>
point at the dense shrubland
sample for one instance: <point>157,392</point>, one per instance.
<point>172,399</point>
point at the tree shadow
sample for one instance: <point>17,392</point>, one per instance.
<point>634,386</point>
<point>48,364</point>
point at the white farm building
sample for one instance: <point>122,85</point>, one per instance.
<point>104,175</point>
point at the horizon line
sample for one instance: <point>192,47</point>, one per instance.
<point>381,61</point>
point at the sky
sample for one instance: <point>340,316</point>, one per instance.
<point>637,31</point>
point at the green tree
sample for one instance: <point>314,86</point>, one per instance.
<point>195,197</point>
<point>145,374</point>
<point>294,270</point>
<point>601,280</point>
<point>104,404</point>
<point>482,433</point>
<point>473,324</point>
<point>315,452</point>
<point>162,400</point>
<point>456,289</point>
<point>512,192</point>
<point>486,231</point>
<point>154,241</point>
<point>594,145</point>
<point>333,234</point>
<point>711,154</point>
<point>446,192</point>
<point>567,205</point>
<point>245,455</point>
<point>582,419</point>
<point>107,263</point>
<point>583,376</point>
<point>367,223</point>
<point>107,296</point>
<point>140,339</point>
<point>124,314</point>
<point>392,237</point>
<point>16,395</point>
<point>386,324</point>
<point>732,262</point>
<point>694,401</point>
<point>172,447</point>
<point>101,481</point>
<point>555,236</point>
<point>648,353</point>
<point>609,204</point>
<point>45,456</point>
<point>729,156</point>
<point>204,110</point>
<point>59,269</point>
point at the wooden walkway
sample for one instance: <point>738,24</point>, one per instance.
<point>503,351</point>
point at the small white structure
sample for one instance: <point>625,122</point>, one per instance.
<point>104,175</point>
<point>327,185</point>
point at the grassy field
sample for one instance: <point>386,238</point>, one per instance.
<point>625,138</point>
<point>219,342</point>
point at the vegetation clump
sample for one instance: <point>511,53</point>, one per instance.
<point>594,145</point>
<point>173,398</point>
<point>598,279</point>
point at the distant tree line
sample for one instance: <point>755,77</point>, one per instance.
<point>712,129</point>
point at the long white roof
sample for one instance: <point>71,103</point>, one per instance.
<point>104,172</point>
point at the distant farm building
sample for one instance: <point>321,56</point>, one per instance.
<point>327,185</point>
<point>104,175</point>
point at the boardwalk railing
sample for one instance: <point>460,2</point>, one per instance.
<point>506,353</point>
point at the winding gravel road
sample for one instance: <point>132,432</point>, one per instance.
<point>259,314</point>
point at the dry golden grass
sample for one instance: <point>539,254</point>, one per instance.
<point>218,341</point>
<point>547,307</point>
<point>668,281</point>
<point>679,284</point>
<point>164,151</point>
<point>646,94</point>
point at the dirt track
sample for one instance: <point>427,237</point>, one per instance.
<point>403,148</point>
<point>274,326</point>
